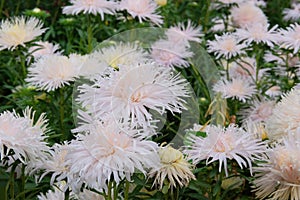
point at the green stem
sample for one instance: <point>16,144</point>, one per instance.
<point>12,180</point>
<point>126,191</point>
<point>109,188</point>
<point>206,19</point>
<point>62,112</point>
<point>90,34</point>
<point>67,194</point>
<point>1,7</point>
<point>227,70</point>
<point>23,182</point>
<point>201,82</point>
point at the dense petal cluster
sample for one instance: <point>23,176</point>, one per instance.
<point>222,144</point>
<point>94,7</point>
<point>22,135</point>
<point>19,30</point>
<point>278,176</point>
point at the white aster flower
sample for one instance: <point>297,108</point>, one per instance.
<point>237,88</point>
<point>226,46</point>
<point>22,135</point>
<point>285,118</point>
<point>170,54</point>
<point>142,9</point>
<point>54,163</point>
<point>56,193</point>
<point>54,71</point>
<point>120,54</point>
<point>173,167</point>
<point>91,7</point>
<point>292,13</point>
<point>258,33</point>
<point>290,38</point>
<point>41,48</point>
<point>181,33</point>
<point>110,151</point>
<point>19,30</point>
<point>129,93</point>
<point>220,144</point>
<point>278,176</point>
<point>247,14</point>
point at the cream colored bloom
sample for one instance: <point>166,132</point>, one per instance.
<point>142,9</point>
<point>19,30</point>
<point>22,135</point>
<point>174,167</point>
<point>54,71</point>
<point>221,144</point>
<point>41,48</point>
<point>285,119</point>
<point>278,176</point>
<point>91,7</point>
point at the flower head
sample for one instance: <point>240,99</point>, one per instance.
<point>170,54</point>
<point>247,14</point>
<point>285,118</point>
<point>91,7</point>
<point>237,88</point>
<point>227,46</point>
<point>290,38</point>
<point>182,33</point>
<point>173,167</point>
<point>54,71</point>
<point>220,144</point>
<point>130,92</point>
<point>110,151</point>
<point>292,13</point>
<point>41,48</point>
<point>19,30</point>
<point>278,176</point>
<point>120,54</point>
<point>142,9</point>
<point>258,33</point>
<point>22,135</point>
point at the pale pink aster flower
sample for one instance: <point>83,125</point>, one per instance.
<point>130,93</point>
<point>19,30</point>
<point>278,175</point>
<point>54,163</point>
<point>41,48</point>
<point>170,54</point>
<point>259,110</point>
<point>290,38</point>
<point>292,13</point>
<point>182,33</point>
<point>258,33</point>
<point>274,91</point>
<point>247,14</point>
<point>260,3</point>
<point>54,71</point>
<point>22,135</point>
<point>110,151</point>
<point>220,144</point>
<point>142,9</point>
<point>237,88</point>
<point>91,7</point>
<point>285,118</point>
<point>226,46</point>
<point>174,167</point>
